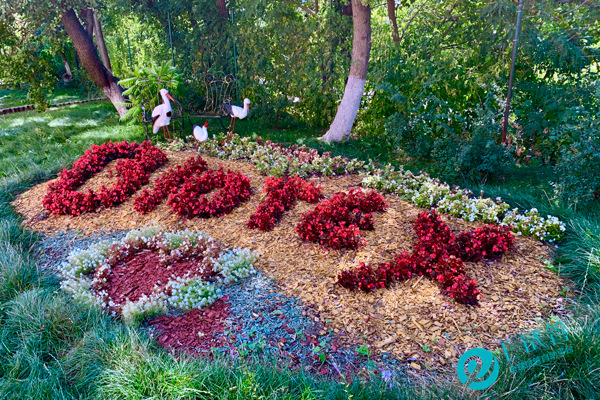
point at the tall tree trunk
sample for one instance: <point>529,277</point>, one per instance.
<point>91,62</point>
<point>361,49</point>
<point>101,44</point>
<point>391,9</point>
<point>223,9</point>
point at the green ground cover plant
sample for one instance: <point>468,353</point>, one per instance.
<point>53,348</point>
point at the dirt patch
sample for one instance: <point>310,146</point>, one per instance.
<point>411,320</point>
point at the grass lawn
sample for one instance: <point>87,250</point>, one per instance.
<point>13,98</point>
<point>52,347</point>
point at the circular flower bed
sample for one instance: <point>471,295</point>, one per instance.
<point>132,172</point>
<point>149,271</point>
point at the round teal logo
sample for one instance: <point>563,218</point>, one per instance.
<point>473,358</point>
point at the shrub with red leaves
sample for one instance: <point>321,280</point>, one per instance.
<point>435,237</point>
<point>363,277</point>
<point>281,196</point>
<point>463,291</point>
<point>167,183</point>
<point>447,269</point>
<point>438,255</point>
<point>132,172</point>
<point>190,199</point>
<point>488,241</point>
<point>336,222</point>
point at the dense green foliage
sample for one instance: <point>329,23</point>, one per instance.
<point>438,93</point>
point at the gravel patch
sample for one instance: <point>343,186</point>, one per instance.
<point>56,247</point>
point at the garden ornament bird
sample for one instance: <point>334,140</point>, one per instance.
<point>161,115</point>
<point>236,112</point>
<point>201,132</point>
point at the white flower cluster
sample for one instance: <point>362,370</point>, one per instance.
<point>133,313</point>
<point>427,192</point>
<point>81,290</point>
<point>461,204</point>
<point>185,292</point>
<point>190,293</point>
<point>534,225</point>
<point>234,265</point>
<point>143,234</point>
<point>273,163</point>
<point>83,261</point>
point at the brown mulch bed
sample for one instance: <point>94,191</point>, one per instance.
<point>144,274</point>
<point>194,332</point>
<point>516,290</point>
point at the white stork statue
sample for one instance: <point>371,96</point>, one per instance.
<point>201,132</point>
<point>236,112</point>
<point>161,115</point>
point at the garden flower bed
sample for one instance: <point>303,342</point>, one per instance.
<point>148,271</point>
<point>412,320</point>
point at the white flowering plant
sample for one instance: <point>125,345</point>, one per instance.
<point>424,191</point>
<point>85,274</point>
<point>534,225</point>
<point>420,189</point>
<point>234,265</point>
<point>190,293</point>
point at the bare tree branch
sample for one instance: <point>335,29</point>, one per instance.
<point>391,9</point>
<point>304,8</point>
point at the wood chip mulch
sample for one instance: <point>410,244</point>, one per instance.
<point>193,332</point>
<point>411,320</point>
<point>144,274</point>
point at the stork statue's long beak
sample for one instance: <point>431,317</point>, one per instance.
<point>169,96</point>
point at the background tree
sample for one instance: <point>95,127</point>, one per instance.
<point>361,48</point>
<point>48,16</point>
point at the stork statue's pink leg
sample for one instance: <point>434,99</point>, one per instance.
<point>233,128</point>
<point>165,131</point>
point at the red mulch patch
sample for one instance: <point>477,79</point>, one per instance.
<point>181,333</point>
<point>144,272</point>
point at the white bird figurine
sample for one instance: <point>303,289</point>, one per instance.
<point>236,112</point>
<point>161,115</point>
<point>201,132</point>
